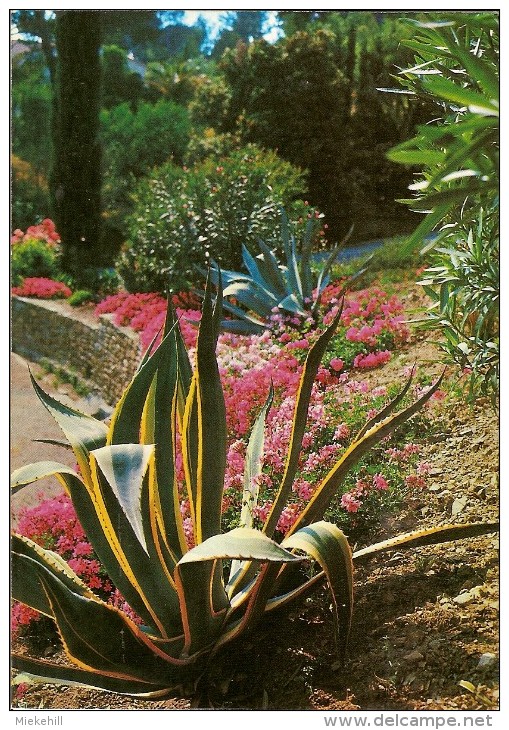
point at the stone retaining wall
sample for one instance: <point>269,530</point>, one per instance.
<point>101,354</point>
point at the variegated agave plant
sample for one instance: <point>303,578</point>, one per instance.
<point>193,601</point>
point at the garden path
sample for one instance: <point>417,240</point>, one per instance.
<point>29,420</point>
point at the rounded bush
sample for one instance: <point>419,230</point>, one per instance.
<point>181,215</point>
<point>34,258</point>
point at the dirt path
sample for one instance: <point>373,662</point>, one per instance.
<point>29,421</point>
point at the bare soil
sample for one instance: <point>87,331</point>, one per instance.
<point>424,620</point>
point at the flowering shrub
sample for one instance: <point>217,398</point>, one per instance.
<point>35,252</point>
<point>44,231</point>
<point>42,288</point>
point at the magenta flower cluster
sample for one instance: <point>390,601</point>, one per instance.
<point>42,288</point>
<point>44,231</point>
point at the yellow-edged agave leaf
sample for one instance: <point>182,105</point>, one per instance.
<point>143,569</point>
<point>26,587</point>
<point>326,543</point>
<point>242,543</point>
<point>126,421</point>
<point>427,536</point>
<point>307,379</point>
<point>388,409</point>
<point>194,579</point>
<point>328,487</point>
<point>159,426</point>
<point>100,638</point>
<point>124,467</point>
<point>211,423</point>
<point>44,672</point>
<point>252,470</point>
<point>40,470</point>
<point>83,432</point>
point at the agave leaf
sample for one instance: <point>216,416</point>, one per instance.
<point>252,266</point>
<point>270,268</point>
<point>33,472</point>
<point>427,536</point>
<point>327,544</point>
<point>291,303</point>
<point>83,432</point>
<point>126,421</point>
<point>253,463</point>
<point>44,672</point>
<point>252,470</point>
<point>53,442</point>
<point>241,543</point>
<point>26,586</point>
<point>244,325</point>
<point>102,639</point>
<point>252,296</point>
<point>159,423</point>
<point>211,419</point>
<point>124,467</point>
<point>306,276</point>
<point>307,379</point>
<point>143,570</point>
<point>204,466</point>
<point>388,408</point>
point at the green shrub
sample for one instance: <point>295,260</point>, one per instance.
<point>133,143</point>
<point>215,207</point>
<point>457,67</point>
<point>34,258</point>
<point>82,296</point>
<point>29,194</point>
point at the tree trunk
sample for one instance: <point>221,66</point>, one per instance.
<point>76,174</point>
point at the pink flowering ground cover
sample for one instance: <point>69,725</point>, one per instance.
<point>42,288</point>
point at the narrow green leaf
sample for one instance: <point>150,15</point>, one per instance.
<point>427,536</point>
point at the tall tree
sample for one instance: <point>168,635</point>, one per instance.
<point>76,174</point>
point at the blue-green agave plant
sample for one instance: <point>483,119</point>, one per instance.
<point>292,287</point>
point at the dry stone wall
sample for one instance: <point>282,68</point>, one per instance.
<point>100,353</point>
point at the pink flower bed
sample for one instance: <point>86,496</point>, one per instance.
<point>42,288</point>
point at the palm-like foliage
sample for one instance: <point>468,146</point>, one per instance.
<point>292,287</point>
<point>456,67</point>
<point>191,601</point>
